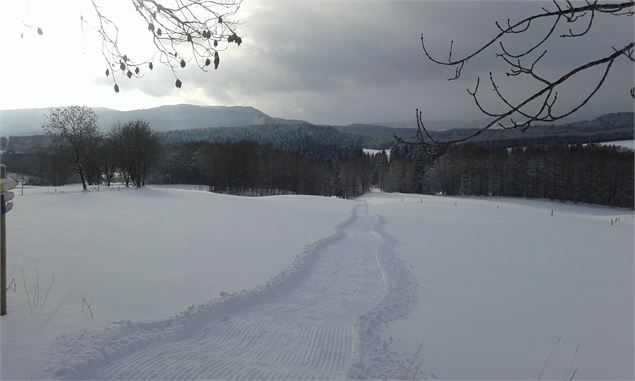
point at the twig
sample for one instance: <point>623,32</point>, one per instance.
<point>575,354</point>
<point>88,305</point>
<point>12,283</point>
<point>36,292</point>
<point>549,357</point>
<point>26,291</point>
<point>411,364</point>
<point>48,291</point>
<point>573,374</point>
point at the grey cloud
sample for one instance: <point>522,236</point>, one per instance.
<point>342,62</point>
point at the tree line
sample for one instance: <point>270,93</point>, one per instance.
<point>235,168</point>
<point>81,153</point>
<point>259,169</point>
<point>315,142</point>
<point>133,154</point>
<point>580,173</point>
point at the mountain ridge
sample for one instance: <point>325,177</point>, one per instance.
<point>24,122</point>
<point>185,122</point>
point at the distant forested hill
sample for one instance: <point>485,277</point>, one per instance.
<point>165,118</point>
<point>616,126</point>
<point>314,142</point>
<point>327,143</point>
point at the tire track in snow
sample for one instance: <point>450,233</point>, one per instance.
<point>318,320</point>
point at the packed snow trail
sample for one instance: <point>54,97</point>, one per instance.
<point>313,330</point>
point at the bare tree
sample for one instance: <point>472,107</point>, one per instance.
<point>136,149</point>
<point>75,128</point>
<point>542,105</point>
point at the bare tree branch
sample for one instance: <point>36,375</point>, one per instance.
<point>541,105</point>
<point>178,29</point>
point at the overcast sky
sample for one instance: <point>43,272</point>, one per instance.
<point>331,62</point>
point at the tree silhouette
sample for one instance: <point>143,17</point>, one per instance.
<point>77,135</point>
<point>178,29</point>
<point>541,105</point>
<point>135,150</point>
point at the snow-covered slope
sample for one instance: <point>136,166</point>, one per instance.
<point>630,144</point>
<point>488,288</point>
<point>318,320</point>
<point>504,283</point>
<point>140,255</point>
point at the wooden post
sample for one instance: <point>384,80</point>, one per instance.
<point>3,252</point>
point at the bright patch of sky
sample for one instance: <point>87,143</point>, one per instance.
<point>322,61</point>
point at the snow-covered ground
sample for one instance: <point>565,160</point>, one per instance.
<point>489,288</point>
<point>140,255</point>
<point>373,152</point>
<point>502,281</point>
<point>621,143</point>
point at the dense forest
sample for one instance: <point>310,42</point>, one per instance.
<point>300,136</point>
<point>307,159</point>
<point>236,168</point>
<point>254,169</point>
<point>581,173</point>
<point>616,126</point>
<point>314,142</point>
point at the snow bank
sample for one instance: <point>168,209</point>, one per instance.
<point>373,152</point>
<point>141,255</point>
<point>504,283</point>
<point>630,144</point>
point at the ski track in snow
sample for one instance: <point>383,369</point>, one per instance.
<point>321,318</point>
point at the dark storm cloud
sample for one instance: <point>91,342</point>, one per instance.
<point>341,62</point>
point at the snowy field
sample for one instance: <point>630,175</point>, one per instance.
<point>140,255</point>
<point>503,283</point>
<point>186,284</point>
